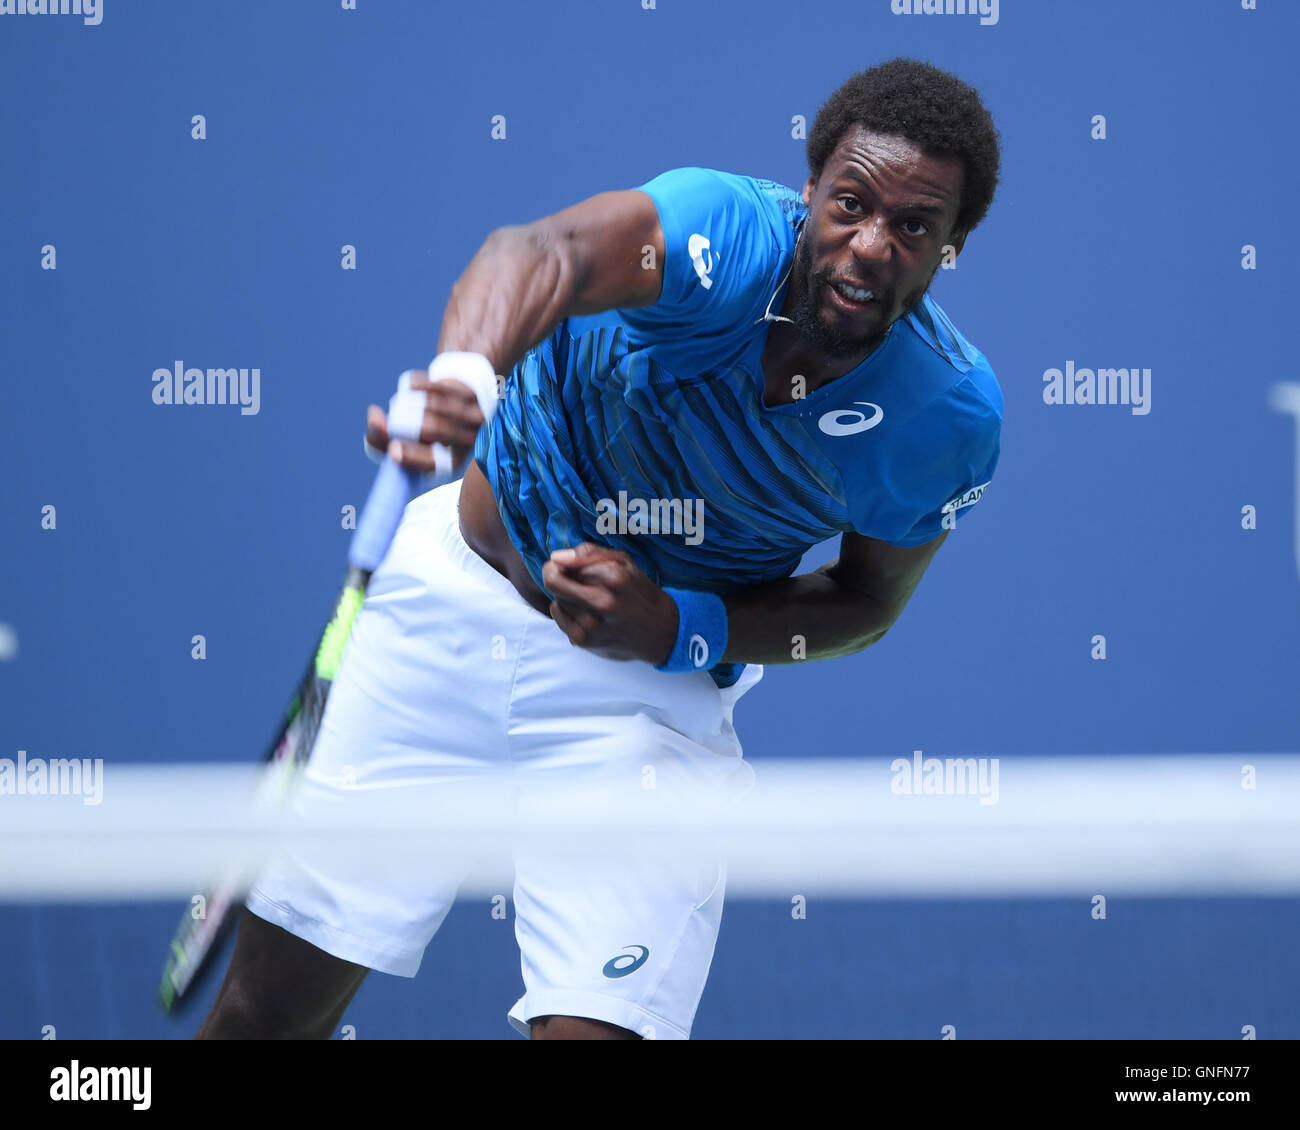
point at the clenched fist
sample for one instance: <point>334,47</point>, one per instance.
<point>606,604</point>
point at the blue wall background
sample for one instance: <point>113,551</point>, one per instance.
<point>372,128</point>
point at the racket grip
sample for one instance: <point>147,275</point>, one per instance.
<point>393,488</point>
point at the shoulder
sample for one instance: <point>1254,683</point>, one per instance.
<point>699,190</point>
<point>726,239</point>
<point>733,223</point>
<point>963,386</point>
<point>939,438</point>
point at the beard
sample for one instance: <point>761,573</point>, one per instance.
<point>810,320</point>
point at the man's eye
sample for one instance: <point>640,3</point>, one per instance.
<point>923,226</point>
<point>849,199</point>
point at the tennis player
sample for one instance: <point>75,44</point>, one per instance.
<point>707,376</point>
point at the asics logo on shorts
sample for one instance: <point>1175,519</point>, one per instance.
<point>631,962</point>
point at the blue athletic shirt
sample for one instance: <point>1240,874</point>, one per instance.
<point>666,402</point>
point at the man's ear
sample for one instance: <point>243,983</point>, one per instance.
<point>958,241</point>
<point>810,186</point>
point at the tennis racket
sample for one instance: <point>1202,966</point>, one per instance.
<point>207,923</point>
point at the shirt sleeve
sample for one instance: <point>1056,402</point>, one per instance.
<point>718,247</point>
<point>940,471</point>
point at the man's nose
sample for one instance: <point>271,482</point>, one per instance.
<point>873,241</point>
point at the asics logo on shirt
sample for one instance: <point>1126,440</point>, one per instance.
<point>697,247</point>
<point>847,421</point>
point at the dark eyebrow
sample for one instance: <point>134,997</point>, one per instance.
<point>920,206</point>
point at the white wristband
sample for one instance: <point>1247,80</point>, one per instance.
<point>472,369</point>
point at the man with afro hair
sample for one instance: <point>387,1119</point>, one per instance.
<point>706,376</point>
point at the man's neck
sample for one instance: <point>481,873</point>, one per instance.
<point>788,353</point>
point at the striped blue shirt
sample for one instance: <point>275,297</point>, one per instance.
<point>645,429</point>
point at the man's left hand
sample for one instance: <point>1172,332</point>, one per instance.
<point>606,604</point>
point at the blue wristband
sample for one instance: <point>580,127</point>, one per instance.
<point>701,631</point>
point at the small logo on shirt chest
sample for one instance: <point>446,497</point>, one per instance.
<point>848,421</point>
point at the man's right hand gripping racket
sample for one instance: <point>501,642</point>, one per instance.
<point>208,920</point>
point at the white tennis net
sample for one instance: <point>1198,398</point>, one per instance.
<point>1208,824</point>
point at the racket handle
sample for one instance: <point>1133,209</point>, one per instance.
<point>393,488</point>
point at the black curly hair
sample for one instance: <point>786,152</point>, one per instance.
<point>929,107</point>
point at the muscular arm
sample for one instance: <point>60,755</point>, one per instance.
<point>839,609</point>
<point>519,286</point>
<point>525,280</point>
<point>603,601</point>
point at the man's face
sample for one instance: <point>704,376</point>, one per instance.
<point>878,219</point>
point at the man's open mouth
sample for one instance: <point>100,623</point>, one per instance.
<point>851,297</point>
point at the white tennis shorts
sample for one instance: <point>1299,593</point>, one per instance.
<point>449,672</point>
